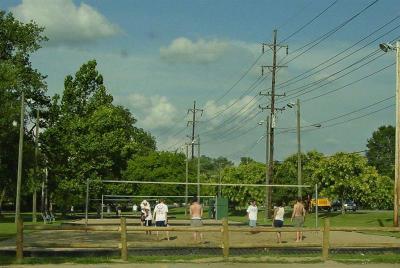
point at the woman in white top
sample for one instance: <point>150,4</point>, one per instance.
<point>279,213</point>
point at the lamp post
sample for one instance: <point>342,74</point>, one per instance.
<point>20,155</point>
<point>298,131</point>
<point>390,47</point>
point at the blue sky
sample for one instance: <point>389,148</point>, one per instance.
<point>157,57</point>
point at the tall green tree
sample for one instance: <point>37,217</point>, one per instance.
<point>381,150</point>
<point>348,177</point>
<point>17,42</point>
<point>89,138</point>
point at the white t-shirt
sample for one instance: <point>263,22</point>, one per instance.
<point>161,212</point>
<point>280,213</point>
<point>252,210</point>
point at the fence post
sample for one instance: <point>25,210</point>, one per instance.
<point>124,245</point>
<point>20,240</point>
<point>325,240</point>
<point>225,238</point>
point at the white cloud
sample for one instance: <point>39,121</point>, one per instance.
<point>154,112</point>
<point>64,22</point>
<point>185,50</point>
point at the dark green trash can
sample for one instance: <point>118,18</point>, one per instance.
<point>221,205</point>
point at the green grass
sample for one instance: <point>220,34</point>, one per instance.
<point>270,258</point>
<point>367,258</point>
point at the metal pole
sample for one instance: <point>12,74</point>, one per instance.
<point>267,204</point>
<point>198,168</point>
<point>102,205</point>
<point>397,157</point>
<point>316,206</point>
<point>34,203</point>
<point>219,186</point>
<point>87,202</point>
<point>20,155</point>
<point>299,179</point>
<point>187,179</point>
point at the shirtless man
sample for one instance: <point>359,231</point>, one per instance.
<point>298,215</point>
<point>196,212</point>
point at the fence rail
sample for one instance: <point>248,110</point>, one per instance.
<point>123,244</point>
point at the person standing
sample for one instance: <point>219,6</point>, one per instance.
<point>143,206</point>
<point>252,212</point>
<point>148,218</point>
<point>298,216</point>
<point>160,216</point>
<point>279,213</point>
<point>196,213</point>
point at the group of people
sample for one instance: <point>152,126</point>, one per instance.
<point>298,216</point>
<point>160,216</point>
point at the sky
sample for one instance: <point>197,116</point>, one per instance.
<point>158,57</point>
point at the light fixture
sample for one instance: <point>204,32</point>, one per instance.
<point>385,47</point>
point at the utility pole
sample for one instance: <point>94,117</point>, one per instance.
<point>397,156</point>
<point>299,180</point>
<point>193,122</point>
<point>274,47</point>
<point>187,178</point>
<point>267,203</point>
<point>198,168</point>
<point>391,47</point>
<point>34,197</point>
<point>20,152</point>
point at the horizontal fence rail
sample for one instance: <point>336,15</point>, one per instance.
<point>123,244</point>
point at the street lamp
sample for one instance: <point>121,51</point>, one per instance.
<point>298,127</point>
<point>390,47</point>
<point>267,189</point>
<point>20,155</point>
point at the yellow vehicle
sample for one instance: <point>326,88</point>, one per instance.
<point>323,203</point>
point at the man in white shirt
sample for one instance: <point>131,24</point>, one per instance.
<point>252,212</point>
<point>160,216</point>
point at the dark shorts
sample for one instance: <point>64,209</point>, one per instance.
<point>278,223</point>
<point>147,223</point>
<point>161,223</point>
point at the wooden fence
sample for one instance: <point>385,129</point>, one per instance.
<point>225,231</point>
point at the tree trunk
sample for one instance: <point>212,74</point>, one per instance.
<point>2,195</point>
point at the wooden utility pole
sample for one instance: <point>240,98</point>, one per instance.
<point>274,47</point>
<point>34,197</point>
<point>397,156</point>
<point>193,122</point>
<point>267,203</point>
<point>187,178</point>
<point>20,156</point>
<point>299,180</point>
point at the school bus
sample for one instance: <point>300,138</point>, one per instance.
<point>323,203</point>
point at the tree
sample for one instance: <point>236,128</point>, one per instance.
<point>286,173</point>
<point>157,167</point>
<point>381,150</point>
<point>88,138</point>
<point>348,177</point>
<point>251,173</point>
<point>17,42</point>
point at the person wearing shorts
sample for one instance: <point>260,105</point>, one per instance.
<point>160,216</point>
<point>148,219</point>
<point>252,212</point>
<point>298,215</point>
<point>279,213</point>
<point>196,212</point>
